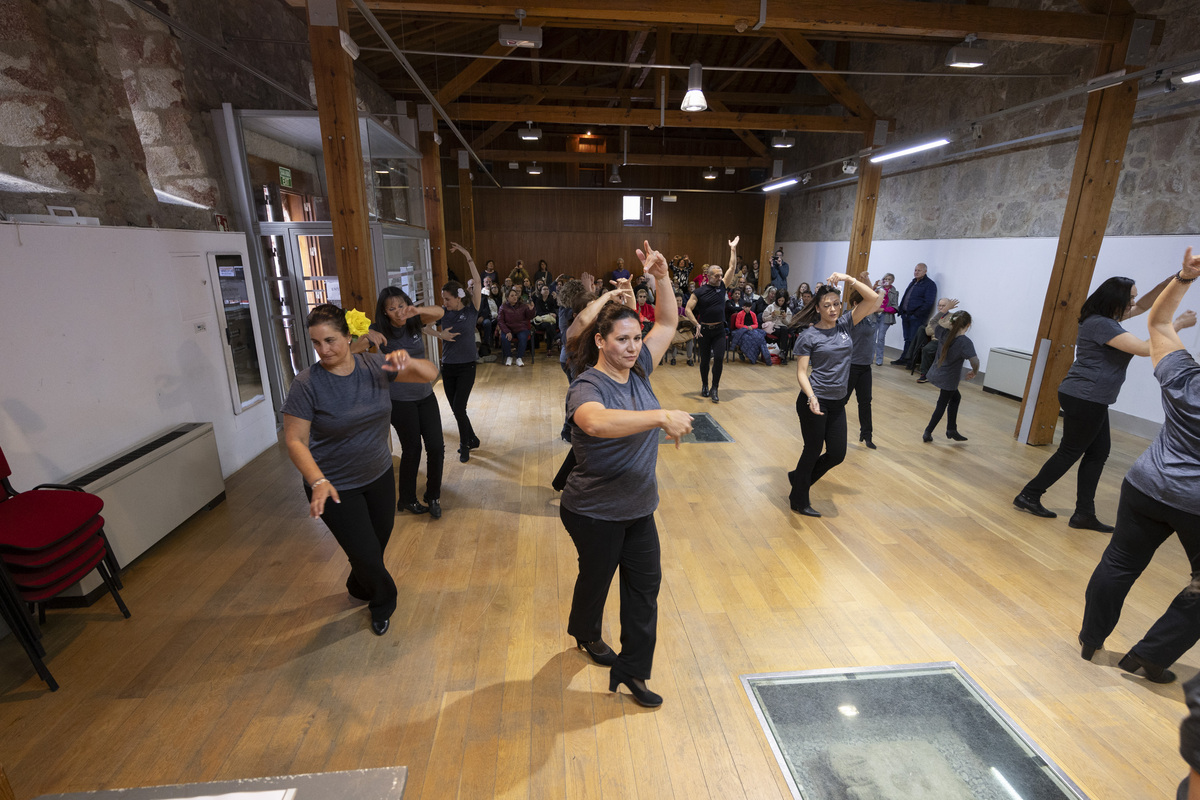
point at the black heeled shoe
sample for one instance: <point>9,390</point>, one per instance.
<point>380,626</point>
<point>926,437</point>
<point>713,396</point>
<point>1154,673</point>
<point>474,443</point>
<point>1088,522</point>
<point>866,440</point>
<point>599,651</point>
<point>637,687</point>
<point>464,454</point>
<point>807,511</point>
<point>704,390</point>
<point>1033,506</point>
<point>413,508</point>
<point>435,509</point>
<point>1086,651</point>
<point>956,436</point>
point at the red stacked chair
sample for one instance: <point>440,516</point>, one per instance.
<point>50,538</point>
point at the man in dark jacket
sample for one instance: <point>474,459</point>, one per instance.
<point>914,309</point>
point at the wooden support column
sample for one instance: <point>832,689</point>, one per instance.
<point>1098,164</point>
<point>431,191</point>
<point>865,202</point>
<point>337,108</point>
<point>767,244</point>
<point>466,202</point>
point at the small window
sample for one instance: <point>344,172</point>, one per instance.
<point>637,211</point>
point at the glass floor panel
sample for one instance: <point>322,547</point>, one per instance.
<point>924,731</point>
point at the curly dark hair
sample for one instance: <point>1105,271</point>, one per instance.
<point>329,314</point>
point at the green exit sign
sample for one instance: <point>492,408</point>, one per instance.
<point>285,177</point>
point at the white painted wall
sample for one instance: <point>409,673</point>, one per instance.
<point>100,347</point>
<point>1002,282</point>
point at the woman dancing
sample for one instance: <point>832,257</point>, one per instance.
<point>460,353</point>
<point>821,405</point>
<point>946,373</point>
<point>1103,350</point>
<point>1158,497</point>
<point>610,497</point>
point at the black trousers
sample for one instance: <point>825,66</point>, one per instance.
<point>911,325</point>
<point>825,431</point>
<point>860,387</point>
<point>947,403</point>
<point>604,547</point>
<point>1143,524</point>
<point>362,524</point>
<point>457,381</point>
<point>928,354</point>
<point>711,342</point>
<point>416,421</point>
<point>1085,436</point>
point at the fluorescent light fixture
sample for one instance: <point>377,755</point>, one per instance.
<point>530,134</point>
<point>710,174</point>
<point>730,171</point>
<point>513,165</point>
<point>910,150</point>
<point>520,36</point>
<point>694,99</point>
<point>669,198</point>
<point>534,169</point>
<point>1192,78</point>
<point>770,187</point>
<point>848,711</point>
<point>782,141</point>
<point>967,55</point>
<point>615,177</point>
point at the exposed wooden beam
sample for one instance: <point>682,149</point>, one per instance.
<point>646,95</point>
<point>749,139</point>
<point>497,128</point>
<point>892,17</point>
<point>471,75</point>
<point>802,123</point>
<point>638,159</point>
<point>807,55</point>
<point>753,54</point>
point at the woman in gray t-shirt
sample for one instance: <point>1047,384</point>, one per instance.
<point>946,372</point>
<point>610,496</point>
<point>825,346</point>
<point>1160,496</point>
<point>335,422</point>
<point>1103,350</point>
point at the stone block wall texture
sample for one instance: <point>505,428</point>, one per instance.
<point>1019,190</point>
<point>101,103</point>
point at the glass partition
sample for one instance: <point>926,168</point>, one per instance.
<point>234,307</point>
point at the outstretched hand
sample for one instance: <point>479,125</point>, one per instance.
<point>1191,265</point>
<point>455,247</point>
<point>1185,320</point>
<point>654,263</point>
<point>396,361</point>
<point>734,241</point>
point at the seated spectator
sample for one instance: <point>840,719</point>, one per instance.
<point>732,306</point>
<point>514,322</point>
<point>777,323</point>
<point>748,338</point>
<point>489,309</point>
<point>645,309</point>
<point>543,272</point>
<point>545,316</point>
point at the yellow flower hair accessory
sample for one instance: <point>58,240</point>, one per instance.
<point>358,322</point>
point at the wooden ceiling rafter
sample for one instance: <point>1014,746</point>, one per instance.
<point>808,57</point>
<point>635,159</point>
<point>647,95</point>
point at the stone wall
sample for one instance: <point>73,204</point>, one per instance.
<point>101,103</point>
<point>1020,189</point>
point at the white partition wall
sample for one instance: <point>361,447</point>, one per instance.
<point>1002,282</point>
<point>111,334</point>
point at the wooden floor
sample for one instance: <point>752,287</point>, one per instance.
<point>244,656</point>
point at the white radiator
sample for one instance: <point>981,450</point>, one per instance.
<point>152,488</point>
<point>1007,372</point>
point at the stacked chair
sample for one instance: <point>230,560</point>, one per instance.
<point>50,538</point>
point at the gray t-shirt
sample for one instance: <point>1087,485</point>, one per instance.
<point>946,376</point>
<point>349,416</point>
<point>1169,470</point>
<point>1099,370</point>
<point>414,343</point>
<point>614,479</point>
<point>462,350</point>
<point>863,336</point>
<point>828,352</point>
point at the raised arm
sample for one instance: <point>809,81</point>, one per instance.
<point>666,310</point>
<point>588,315</point>
<point>732,271</point>
<point>477,285</point>
<point>871,299</point>
<point>1164,334</point>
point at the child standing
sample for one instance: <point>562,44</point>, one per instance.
<point>946,372</point>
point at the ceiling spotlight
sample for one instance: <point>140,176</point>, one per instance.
<point>849,167</point>
<point>967,55</point>
<point>710,174</point>
<point>730,171</point>
<point>534,169</point>
<point>530,134</point>
<point>520,36</point>
<point>694,99</point>
<point>806,178</point>
<point>782,141</point>
<point>615,177</point>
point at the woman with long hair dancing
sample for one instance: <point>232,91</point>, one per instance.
<point>460,353</point>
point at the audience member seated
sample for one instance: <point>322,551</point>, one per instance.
<point>514,322</point>
<point>748,338</point>
<point>543,273</point>
<point>776,322</point>
<point>936,331</point>
<point>545,317</point>
<point>489,309</point>
<point>645,309</point>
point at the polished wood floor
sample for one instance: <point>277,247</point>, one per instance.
<point>244,656</point>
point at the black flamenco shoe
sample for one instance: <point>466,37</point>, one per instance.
<point>464,454</point>
<point>713,395</point>
<point>380,626</point>
<point>636,686</point>
<point>435,509</point>
<point>1033,506</point>
<point>599,651</point>
<point>691,362</point>
<point>474,443</point>
<point>927,437</point>
<point>1088,522</point>
<point>1086,651</point>
<point>704,390</point>
<point>866,440</point>
<point>413,508</point>
<point>807,511</point>
<point>956,436</point>
<point>1154,673</point>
